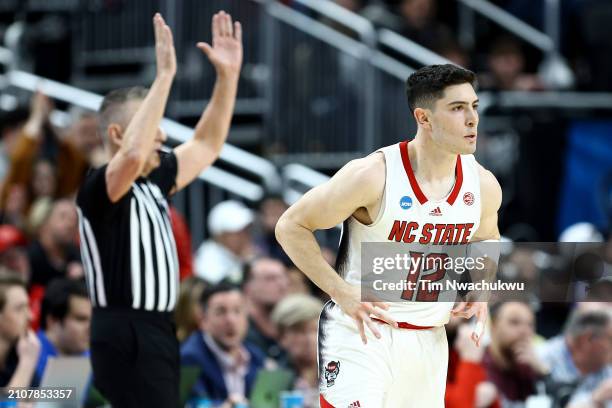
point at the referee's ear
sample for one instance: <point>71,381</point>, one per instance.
<point>114,133</point>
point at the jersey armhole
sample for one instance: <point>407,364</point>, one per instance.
<point>382,208</point>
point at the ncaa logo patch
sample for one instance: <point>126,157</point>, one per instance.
<point>468,199</point>
<point>406,203</point>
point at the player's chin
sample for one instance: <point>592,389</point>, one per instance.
<point>468,148</point>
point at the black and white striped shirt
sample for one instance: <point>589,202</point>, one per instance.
<point>128,248</point>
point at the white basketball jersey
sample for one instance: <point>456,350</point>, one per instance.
<point>407,215</point>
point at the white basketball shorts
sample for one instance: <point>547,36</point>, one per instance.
<point>405,368</point>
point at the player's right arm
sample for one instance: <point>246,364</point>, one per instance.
<point>358,185</point>
<point>139,137</point>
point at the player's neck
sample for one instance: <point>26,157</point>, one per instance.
<point>429,161</point>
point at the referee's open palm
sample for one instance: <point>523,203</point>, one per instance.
<point>164,47</point>
<point>226,50</point>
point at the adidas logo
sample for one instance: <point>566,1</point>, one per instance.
<point>436,212</point>
<point>354,405</point>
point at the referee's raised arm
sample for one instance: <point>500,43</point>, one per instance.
<point>127,244</point>
<point>142,136</point>
<point>225,54</point>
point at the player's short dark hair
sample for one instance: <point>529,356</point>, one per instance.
<point>56,301</point>
<point>210,291</point>
<point>425,86</point>
<point>8,279</point>
<point>113,102</point>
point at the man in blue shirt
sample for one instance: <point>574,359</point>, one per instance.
<point>229,364</point>
<point>65,320</point>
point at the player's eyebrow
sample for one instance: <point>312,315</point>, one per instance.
<point>462,102</point>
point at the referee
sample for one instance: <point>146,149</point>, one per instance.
<point>127,244</point>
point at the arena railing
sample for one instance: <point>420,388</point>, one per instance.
<point>554,69</point>
<point>320,89</point>
<point>500,16</point>
<point>191,21</point>
<point>219,184</point>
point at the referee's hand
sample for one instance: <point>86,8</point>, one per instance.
<point>350,302</point>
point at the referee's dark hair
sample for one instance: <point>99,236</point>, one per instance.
<point>221,287</point>
<point>56,301</point>
<point>427,85</point>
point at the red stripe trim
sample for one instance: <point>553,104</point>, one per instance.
<point>323,403</point>
<point>405,325</point>
<point>458,182</point>
<point>415,185</point>
<point>408,168</point>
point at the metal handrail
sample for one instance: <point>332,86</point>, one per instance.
<point>511,23</point>
<point>176,132</point>
<point>367,34</point>
<point>317,29</point>
<point>6,56</point>
<point>558,100</point>
<point>409,48</point>
<point>339,14</point>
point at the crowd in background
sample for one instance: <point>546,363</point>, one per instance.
<point>504,61</point>
<point>243,307</point>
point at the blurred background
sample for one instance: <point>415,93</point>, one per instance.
<point>322,83</point>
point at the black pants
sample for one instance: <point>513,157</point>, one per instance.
<point>135,358</point>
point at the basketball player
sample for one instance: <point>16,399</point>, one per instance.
<point>435,185</point>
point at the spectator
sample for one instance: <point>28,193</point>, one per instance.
<point>84,136</point>
<point>420,24</point>
<point>581,356</point>
<point>54,254</point>
<point>298,282</point>
<point>223,256</point>
<point>65,321</point>
<point>452,51</point>
<point>297,318</point>
<point>10,127</point>
<point>12,251</point>
<point>506,63</point>
<point>188,313</point>
<point>466,380</point>
<point>39,141</point>
<point>510,359</point>
<point>270,210</point>
<point>19,346</point>
<point>229,364</point>
<point>265,284</point>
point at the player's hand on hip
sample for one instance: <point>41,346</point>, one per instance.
<point>364,312</point>
<point>164,48</point>
<point>469,309</point>
<point>225,53</point>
